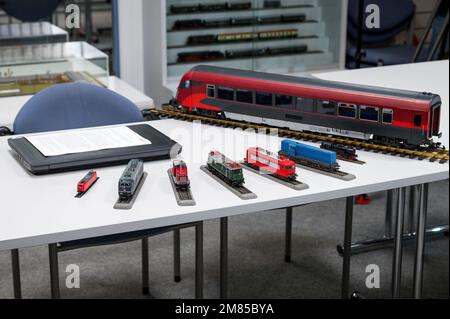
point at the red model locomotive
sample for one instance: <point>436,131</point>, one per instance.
<point>179,175</point>
<point>87,181</point>
<point>392,117</point>
<point>264,160</point>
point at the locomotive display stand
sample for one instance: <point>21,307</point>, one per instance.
<point>183,196</point>
<point>294,184</point>
<point>240,191</point>
<point>336,174</point>
<point>128,203</point>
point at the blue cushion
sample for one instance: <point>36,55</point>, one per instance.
<point>74,105</point>
<point>396,54</point>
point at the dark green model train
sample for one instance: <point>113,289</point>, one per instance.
<point>226,169</point>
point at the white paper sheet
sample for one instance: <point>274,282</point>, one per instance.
<point>61,143</point>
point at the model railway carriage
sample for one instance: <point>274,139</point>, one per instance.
<point>130,179</point>
<point>87,181</point>
<point>308,155</point>
<point>179,175</point>
<point>225,169</point>
<point>392,117</point>
<point>241,36</point>
<point>175,9</point>
<point>267,161</point>
<point>344,151</point>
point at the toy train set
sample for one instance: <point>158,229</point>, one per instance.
<point>210,7</point>
<point>226,169</point>
<point>398,118</point>
<point>130,179</point>
<point>199,56</point>
<point>266,161</point>
<point>194,24</point>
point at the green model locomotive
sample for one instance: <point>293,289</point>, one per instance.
<point>226,169</point>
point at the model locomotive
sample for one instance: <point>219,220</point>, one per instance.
<point>266,161</point>
<point>235,22</point>
<point>179,175</point>
<point>342,151</point>
<point>129,181</point>
<point>392,117</point>
<point>87,181</point>
<point>308,155</point>
<point>226,169</point>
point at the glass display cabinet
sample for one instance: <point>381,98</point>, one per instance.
<point>282,36</point>
<point>30,68</point>
<point>31,33</point>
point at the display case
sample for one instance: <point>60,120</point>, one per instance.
<point>31,33</point>
<point>278,36</point>
<point>30,68</point>
<point>282,36</point>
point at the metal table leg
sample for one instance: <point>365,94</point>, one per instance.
<point>54,273</point>
<point>15,263</point>
<point>145,265</point>
<point>288,243</point>
<point>388,216</point>
<point>176,255</point>
<point>397,261</point>
<point>347,251</point>
<point>412,209</point>
<point>420,245</point>
<point>199,260</point>
<point>224,257</point>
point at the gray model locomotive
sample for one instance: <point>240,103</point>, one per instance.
<point>130,179</point>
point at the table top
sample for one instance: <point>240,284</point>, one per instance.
<point>422,77</point>
<point>10,106</point>
<point>37,210</point>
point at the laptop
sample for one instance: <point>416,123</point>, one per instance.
<point>161,147</point>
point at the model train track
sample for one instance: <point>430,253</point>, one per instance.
<point>432,154</point>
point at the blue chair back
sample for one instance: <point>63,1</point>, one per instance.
<point>29,10</point>
<point>394,18</point>
<point>74,105</point>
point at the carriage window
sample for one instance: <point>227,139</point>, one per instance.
<point>347,110</point>
<point>210,91</point>
<point>326,107</point>
<point>417,120</point>
<point>185,84</point>
<point>305,104</point>
<point>244,96</point>
<point>387,116</point>
<point>284,101</point>
<point>225,93</point>
<point>264,98</point>
<point>369,113</point>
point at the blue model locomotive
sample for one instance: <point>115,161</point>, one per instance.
<point>308,155</point>
<point>130,179</point>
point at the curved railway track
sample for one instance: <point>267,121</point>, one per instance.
<point>432,154</point>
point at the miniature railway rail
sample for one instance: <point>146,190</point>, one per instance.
<point>432,154</point>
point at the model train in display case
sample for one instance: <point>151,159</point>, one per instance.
<point>391,117</point>
<point>241,36</point>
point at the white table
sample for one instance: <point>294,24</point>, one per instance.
<point>10,106</point>
<point>40,220</point>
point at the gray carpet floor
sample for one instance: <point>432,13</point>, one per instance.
<point>256,264</point>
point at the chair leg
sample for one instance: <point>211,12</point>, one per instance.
<point>176,255</point>
<point>288,243</point>
<point>16,273</point>
<point>199,260</point>
<point>145,266</point>
<point>54,272</point>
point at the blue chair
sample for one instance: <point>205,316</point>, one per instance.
<point>377,48</point>
<point>29,10</point>
<point>78,105</point>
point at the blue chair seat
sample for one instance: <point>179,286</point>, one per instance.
<point>391,55</point>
